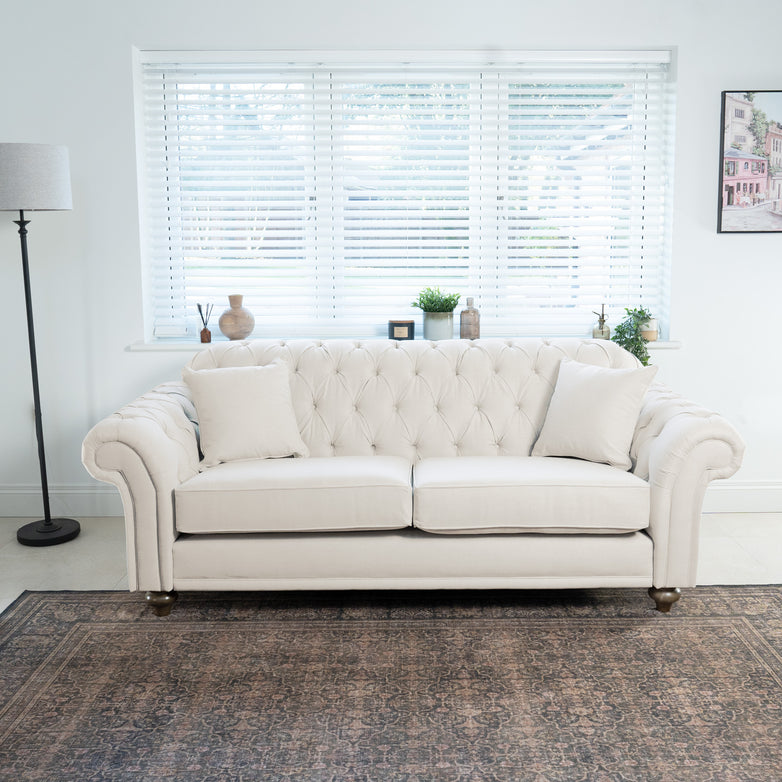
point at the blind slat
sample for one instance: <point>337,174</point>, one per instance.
<point>329,195</point>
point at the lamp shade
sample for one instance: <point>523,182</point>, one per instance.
<point>34,177</point>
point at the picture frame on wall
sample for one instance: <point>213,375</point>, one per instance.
<point>750,192</point>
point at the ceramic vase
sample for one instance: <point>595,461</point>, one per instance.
<point>438,325</point>
<point>236,322</point>
<point>649,330</point>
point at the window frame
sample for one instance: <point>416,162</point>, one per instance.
<point>359,60</point>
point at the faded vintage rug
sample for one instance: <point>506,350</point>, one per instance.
<point>542,686</point>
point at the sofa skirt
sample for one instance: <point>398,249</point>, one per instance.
<point>410,559</point>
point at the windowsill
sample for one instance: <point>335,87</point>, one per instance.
<point>176,346</point>
<point>169,346</point>
<point>664,345</point>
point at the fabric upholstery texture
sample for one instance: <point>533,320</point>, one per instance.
<point>527,494</point>
<point>414,400</point>
<point>297,495</point>
<point>593,413</point>
<point>417,399</point>
<point>411,559</point>
<point>245,413</point>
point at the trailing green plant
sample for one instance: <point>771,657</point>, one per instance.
<point>628,333</point>
<point>434,300</point>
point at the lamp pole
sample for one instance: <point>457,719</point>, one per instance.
<point>48,531</point>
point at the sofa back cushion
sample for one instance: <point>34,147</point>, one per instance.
<point>418,399</point>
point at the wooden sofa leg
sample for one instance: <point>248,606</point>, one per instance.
<point>161,602</point>
<point>664,598</point>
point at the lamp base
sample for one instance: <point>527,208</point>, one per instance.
<point>48,533</point>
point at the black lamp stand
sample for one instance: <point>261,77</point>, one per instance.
<point>47,531</point>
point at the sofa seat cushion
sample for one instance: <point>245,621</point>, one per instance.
<point>336,493</point>
<point>527,494</point>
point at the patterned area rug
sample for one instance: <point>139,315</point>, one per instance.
<point>542,686</point>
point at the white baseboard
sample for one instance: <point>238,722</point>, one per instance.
<point>743,497</point>
<point>95,500</point>
<point>64,499</point>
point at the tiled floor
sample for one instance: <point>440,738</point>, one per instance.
<point>741,548</point>
<point>93,560</point>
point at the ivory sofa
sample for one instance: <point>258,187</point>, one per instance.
<point>486,464</point>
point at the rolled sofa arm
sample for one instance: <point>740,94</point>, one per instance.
<point>146,450</point>
<point>680,447</point>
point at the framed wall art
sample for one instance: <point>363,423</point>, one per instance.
<point>750,195</point>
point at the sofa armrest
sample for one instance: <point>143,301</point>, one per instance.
<point>146,450</point>
<point>680,447</point>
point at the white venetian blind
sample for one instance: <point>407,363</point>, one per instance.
<point>330,194</point>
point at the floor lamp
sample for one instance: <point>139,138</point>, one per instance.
<point>36,177</point>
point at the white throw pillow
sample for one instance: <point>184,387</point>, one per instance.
<point>593,413</point>
<point>245,413</point>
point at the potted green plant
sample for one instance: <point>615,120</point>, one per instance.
<point>630,333</point>
<point>438,310</point>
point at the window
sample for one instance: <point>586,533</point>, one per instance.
<point>739,113</point>
<point>330,194</point>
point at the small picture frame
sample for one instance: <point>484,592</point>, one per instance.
<point>750,190</point>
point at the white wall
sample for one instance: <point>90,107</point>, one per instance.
<point>66,78</point>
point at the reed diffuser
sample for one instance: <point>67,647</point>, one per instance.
<point>205,312</point>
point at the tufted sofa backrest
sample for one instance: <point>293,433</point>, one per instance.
<point>417,398</point>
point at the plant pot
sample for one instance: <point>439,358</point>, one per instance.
<point>438,325</point>
<point>649,330</point>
